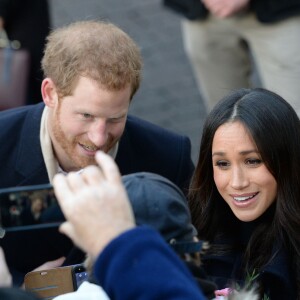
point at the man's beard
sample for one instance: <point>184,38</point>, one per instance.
<point>69,147</point>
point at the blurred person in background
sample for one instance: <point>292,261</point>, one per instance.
<point>28,21</point>
<point>230,34</point>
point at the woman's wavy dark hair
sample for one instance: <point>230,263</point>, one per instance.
<point>275,129</point>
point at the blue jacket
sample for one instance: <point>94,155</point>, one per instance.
<point>143,147</point>
<point>140,265</point>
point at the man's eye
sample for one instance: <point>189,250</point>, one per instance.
<point>116,120</point>
<point>87,116</point>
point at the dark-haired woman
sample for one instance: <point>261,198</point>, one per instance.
<point>245,193</point>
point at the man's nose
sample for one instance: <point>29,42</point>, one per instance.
<point>97,133</point>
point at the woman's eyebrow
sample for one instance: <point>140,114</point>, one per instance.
<point>244,152</point>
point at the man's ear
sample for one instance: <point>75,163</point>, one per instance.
<point>49,93</point>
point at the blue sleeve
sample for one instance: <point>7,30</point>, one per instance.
<point>140,265</point>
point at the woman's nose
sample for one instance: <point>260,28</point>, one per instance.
<point>239,178</point>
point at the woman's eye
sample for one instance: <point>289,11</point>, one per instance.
<point>222,164</point>
<point>253,161</point>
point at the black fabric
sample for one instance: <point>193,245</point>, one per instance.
<point>227,270</point>
<point>28,248</point>
<point>145,147</point>
<point>74,257</point>
<point>268,11</point>
<point>190,9</point>
<point>206,285</point>
<point>20,154</point>
<point>16,294</point>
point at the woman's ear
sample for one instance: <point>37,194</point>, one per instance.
<point>49,93</point>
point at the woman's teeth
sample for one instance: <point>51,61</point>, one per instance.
<point>244,198</point>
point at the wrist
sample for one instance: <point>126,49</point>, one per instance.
<point>101,242</point>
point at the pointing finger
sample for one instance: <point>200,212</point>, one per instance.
<point>108,166</point>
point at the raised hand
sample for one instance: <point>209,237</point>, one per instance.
<point>95,205</point>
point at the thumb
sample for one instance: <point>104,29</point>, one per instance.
<point>51,264</point>
<point>65,228</point>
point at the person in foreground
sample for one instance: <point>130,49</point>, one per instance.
<point>245,193</point>
<point>130,262</point>
<point>174,225</point>
<point>92,70</point>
